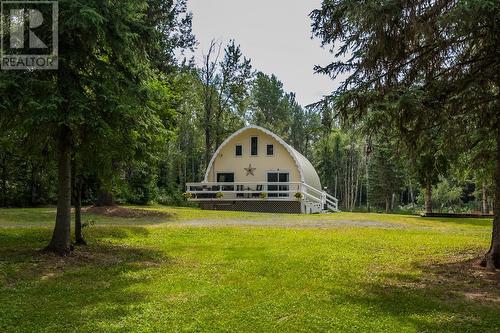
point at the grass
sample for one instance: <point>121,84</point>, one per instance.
<point>349,272</point>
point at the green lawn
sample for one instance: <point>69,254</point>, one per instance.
<point>209,271</point>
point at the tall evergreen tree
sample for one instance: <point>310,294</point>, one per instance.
<point>445,51</point>
<point>386,178</point>
<point>108,57</point>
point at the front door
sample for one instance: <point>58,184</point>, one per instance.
<point>278,177</point>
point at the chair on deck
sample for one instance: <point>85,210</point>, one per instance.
<point>240,188</point>
<point>258,189</point>
<point>204,188</point>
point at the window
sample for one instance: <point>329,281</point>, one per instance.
<point>239,150</point>
<point>254,141</point>
<point>278,177</point>
<point>225,177</point>
<point>270,150</point>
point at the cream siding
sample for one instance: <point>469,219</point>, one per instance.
<point>227,161</point>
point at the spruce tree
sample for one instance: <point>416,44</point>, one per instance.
<point>109,58</point>
<point>444,55</point>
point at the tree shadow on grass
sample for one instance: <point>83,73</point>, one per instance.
<point>478,222</point>
<point>94,289</point>
<point>454,297</point>
<point>113,232</point>
<point>26,240</point>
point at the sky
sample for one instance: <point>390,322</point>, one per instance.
<point>274,34</point>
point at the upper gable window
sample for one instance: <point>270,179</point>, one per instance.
<point>239,150</point>
<point>254,143</point>
<point>270,150</point>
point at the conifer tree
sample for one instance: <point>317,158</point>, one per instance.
<point>109,60</point>
<point>443,55</point>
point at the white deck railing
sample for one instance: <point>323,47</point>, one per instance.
<point>249,191</point>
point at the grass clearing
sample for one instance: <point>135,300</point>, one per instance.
<point>251,272</point>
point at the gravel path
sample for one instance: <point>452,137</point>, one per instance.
<point>290,223</point>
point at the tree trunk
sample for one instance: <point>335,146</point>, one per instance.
<point>335,189</point>
<point>492,258</point>
<point>367,161</point>
<point>412,198</point>
<point>76,184</point>
<point>4,181</point>
<point>208,100</point>
<point>33,181</point>
<point>61,237</point>
<point>79,240</point>
<point>208,156</point>
<point>386,204</point>
<point>360,186</point>
<point>486,208</point>
<point>428,197</point>
<point>348,183</point>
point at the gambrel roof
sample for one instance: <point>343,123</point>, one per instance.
<point>308,174</point>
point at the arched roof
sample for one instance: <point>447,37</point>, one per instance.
<point>308,174</point>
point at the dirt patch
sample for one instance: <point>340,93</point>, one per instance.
<point>42,266</point>
<point>470,270</point>
<point>117,211</point>
<point>468,279</point>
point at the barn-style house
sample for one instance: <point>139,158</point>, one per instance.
<point>255,170</point>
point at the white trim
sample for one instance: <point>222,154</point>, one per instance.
<point>245,199</point>
<point>243,183</point>
<point>312,199</point>
<point>277,138</point>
